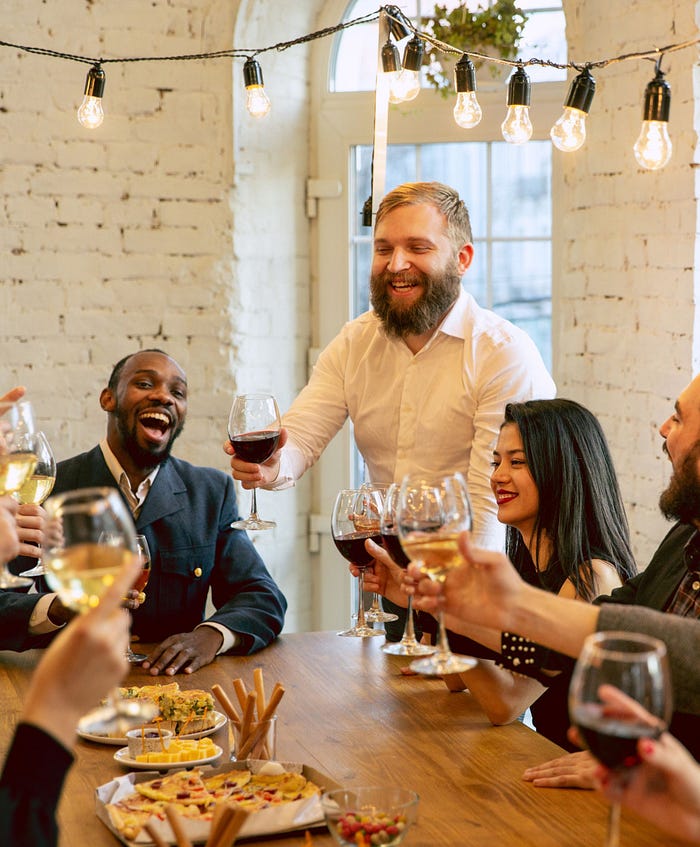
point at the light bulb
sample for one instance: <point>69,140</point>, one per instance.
<point>391,65</point>
<point>90,113</point>
<point>256,101</point>
<point>406,87</point>
<point>517,127</point>
<point>569,132</point>
<point>653,148</point>
<point>467,110</point>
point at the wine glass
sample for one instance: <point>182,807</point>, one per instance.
<point>93,536</point>
<point>39,485</point>
<point>17,462</point>
<point>254,430</point>
<point>637,665</point>
<point>375,613</point>
<point>408,646</point>
<point>352,523</point>
<point>144,554</point>
<point>432,512</point>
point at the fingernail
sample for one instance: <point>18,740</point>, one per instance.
<point>647,746</point>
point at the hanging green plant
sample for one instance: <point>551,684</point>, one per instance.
<point>494,30</point>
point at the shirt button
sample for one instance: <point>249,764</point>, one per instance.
<point>696,585</point>
<point>197,571</point>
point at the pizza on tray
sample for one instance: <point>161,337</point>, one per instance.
<point>196,796</point>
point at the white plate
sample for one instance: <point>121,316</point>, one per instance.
<point>220,720</point>
<point>122,756</point>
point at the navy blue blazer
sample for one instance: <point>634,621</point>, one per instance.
<point>186,519</point>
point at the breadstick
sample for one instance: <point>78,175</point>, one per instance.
<point>227,834</point>
<point>222,812</point>
<point>260,690</point>
<point>273,702</point>
<point>175,822</point>
<point>155,836</point>
<point>248,743</point>
<point>241,692</point>
<point>226,704</point>
<point>247,719</point>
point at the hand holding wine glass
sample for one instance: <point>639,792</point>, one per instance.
<point>38,486</point>
<point>432,512</point>
<point>144,555</point>
<point>17,462</point>
<point>96,540</point>
<point>254,430</point>
<point>354,520</point>
<point>637,666</point>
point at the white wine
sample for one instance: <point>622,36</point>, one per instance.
<point>437,555</point>
<point>35,489</point>
<point>14,470</point>
<point>82,573</point>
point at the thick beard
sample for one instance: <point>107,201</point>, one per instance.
<point>439,292</point>
<point>143,457</point>
<point>681,499</point>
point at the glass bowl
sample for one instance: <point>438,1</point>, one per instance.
<point>369,816</point>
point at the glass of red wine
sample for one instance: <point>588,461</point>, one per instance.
<point>376,613</point>
<point>254,431</point>
<point>354,520</point>
<point>408,646</point>
<point>636,665</point>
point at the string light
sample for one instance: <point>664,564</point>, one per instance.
<point>653,148</point>
<point>517,127</point>
<point>391,66</point>
<point>256,102</point>
<point>90,112</point>
<point>407,85</point>
<point>569,132</point>
<point>467,111</point>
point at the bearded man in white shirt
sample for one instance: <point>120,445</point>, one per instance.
<point>425,375</point>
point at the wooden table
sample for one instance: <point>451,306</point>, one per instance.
<point>350,712</point>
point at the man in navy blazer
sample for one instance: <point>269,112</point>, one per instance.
<point>185,512</point>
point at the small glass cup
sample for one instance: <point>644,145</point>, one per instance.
<point>259,743</point>
<point>147,739</point>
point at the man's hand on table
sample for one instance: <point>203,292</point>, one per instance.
<point>185,652</point>
<point>574,770</point>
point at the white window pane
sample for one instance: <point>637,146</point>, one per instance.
<point>544,37</point>
<point>522,195</point>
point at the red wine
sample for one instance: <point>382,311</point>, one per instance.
<point>352,546</point>
<point>393,547</point>
<point>611,740</point>
<point>256,446</point>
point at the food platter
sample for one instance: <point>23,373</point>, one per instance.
<point>122,756</point>
<point>219,721</point>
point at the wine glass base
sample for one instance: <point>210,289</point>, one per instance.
<point>361,632</point>
<point>253,523</point>
<point>37,570</point>
<point>11,581</point>
<point>408,648</point>
<point>380,617</point>
<point>438,665</point>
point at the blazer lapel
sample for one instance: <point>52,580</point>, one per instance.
<point>167,496</point>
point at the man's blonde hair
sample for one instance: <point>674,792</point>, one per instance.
<point>445,199</point>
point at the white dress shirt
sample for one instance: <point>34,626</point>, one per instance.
<point>437,411</point>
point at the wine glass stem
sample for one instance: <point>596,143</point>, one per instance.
<point>409,630</point>
<point>612,838</point>
<point>253,504</point>
<point>443,646</point>
<point>361,599</point>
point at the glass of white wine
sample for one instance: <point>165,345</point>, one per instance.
<point>38,486</point>
<point>17,463</point>
<point>431,514</point>
<point>92,536</point>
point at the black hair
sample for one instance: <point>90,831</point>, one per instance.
<point>581,512</point>
<point>119,367</point>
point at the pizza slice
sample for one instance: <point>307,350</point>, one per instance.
<point>183,787</point>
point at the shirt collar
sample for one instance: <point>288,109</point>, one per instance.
<point>453,323</point>
<point>135,498</point>
<point>691,552</point>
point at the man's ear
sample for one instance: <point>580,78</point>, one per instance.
<point>107,400</point>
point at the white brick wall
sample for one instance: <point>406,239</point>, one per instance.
<point>180,224</point>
